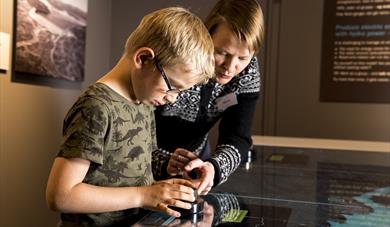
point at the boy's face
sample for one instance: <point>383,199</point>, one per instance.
<point>159,85</point>
<point>231,56</point>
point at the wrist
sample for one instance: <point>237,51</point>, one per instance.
<point>138,198</point>
<point>210,165</point>
<point>217,172</point>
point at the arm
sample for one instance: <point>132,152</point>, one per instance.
<point>234,139</point>
<point>67,193</point>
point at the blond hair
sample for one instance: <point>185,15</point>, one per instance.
<point>244,17</point>
<point>177,37</point>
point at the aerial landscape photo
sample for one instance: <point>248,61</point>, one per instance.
<point>50,38</point>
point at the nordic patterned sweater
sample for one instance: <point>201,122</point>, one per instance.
<point>186,123</point>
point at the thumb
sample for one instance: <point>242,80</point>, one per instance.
<point>193,164</point>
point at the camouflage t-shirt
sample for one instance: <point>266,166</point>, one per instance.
<point>117,137</point>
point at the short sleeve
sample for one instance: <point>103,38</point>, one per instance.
<point>84,130</point>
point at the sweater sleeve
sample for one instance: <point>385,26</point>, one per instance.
<point>234,138</point>
<point>160,159</point>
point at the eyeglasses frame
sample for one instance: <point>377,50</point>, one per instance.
<point>171,90</point>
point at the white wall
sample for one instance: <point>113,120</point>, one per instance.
<point>31,122</point>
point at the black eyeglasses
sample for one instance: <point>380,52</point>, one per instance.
<point>171,90</point>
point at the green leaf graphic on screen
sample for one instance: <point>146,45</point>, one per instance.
<point>235,215</point>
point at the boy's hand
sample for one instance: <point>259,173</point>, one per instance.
<point>172,192</point>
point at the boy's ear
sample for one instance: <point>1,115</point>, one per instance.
<point>143,55</point>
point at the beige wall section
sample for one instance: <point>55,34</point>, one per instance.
<point>31,121</point>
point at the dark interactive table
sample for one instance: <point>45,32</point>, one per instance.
<point>296,187</point>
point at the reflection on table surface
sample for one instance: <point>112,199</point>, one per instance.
<point>301,187</point>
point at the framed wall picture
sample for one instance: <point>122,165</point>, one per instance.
<point>49,40</point>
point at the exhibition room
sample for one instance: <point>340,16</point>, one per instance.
<point>268,113</point>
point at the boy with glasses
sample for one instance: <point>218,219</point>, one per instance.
<point>103,172</point>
